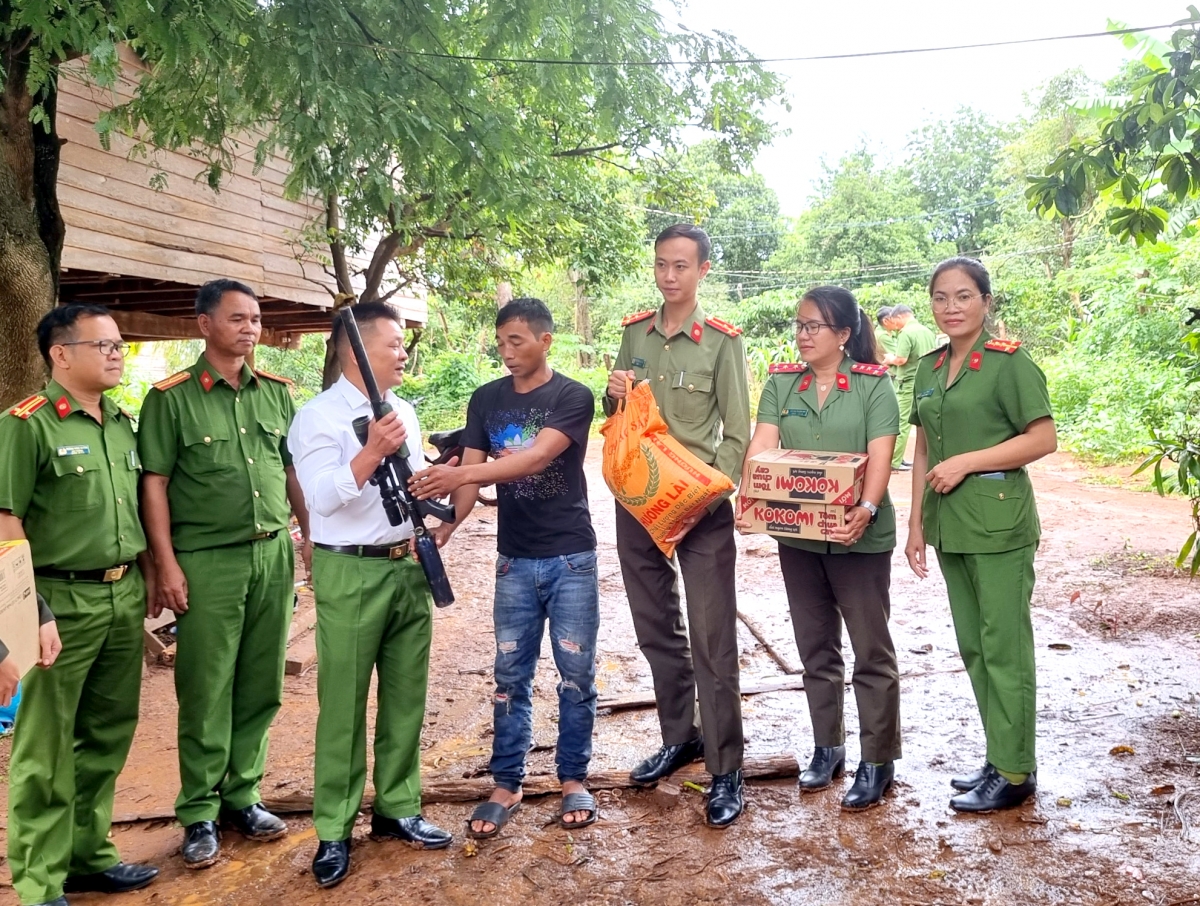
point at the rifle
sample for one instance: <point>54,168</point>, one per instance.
<point>393,475</point>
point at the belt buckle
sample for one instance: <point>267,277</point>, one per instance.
<point>398,551</point>
<point>116,574</point>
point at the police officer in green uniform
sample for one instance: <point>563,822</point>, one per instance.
<point>912,340</point>
<point>982,413</point>
<point>215,500</point>
<point>70,486</point>
<point>885,340</point>
<point>840,400</point>
<point>696,366</point>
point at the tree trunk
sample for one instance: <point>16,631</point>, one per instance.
<point>28,219</point>
<point>583,318</point>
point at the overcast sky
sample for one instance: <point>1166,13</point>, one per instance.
<point>836,105</point>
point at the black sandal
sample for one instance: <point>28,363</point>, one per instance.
<point>577,802</point>
<point>495,813</point>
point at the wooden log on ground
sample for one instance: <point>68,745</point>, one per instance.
<point>755,630</point>
<point>646,699</point>
<point>301,655</point>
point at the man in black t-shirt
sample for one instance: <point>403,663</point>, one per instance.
<point>534,425</point>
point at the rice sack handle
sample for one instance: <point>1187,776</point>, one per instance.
<point>652,474</point>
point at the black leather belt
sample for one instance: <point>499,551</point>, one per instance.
<point>112,574</point>
<point>377,551</point>
<point>263,536</point>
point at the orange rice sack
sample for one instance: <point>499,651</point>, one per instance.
<point>652,474</point>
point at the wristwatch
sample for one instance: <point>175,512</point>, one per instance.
<point>870,508</point>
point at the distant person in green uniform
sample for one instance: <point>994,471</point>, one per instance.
<point>885,340</point>
<point>912,340</point>
<point>70,486</point>
<point>696,366</point>
<point>216,496</point>
<point>982,415</point>
<point>840,400</point>
<point>374,609</point>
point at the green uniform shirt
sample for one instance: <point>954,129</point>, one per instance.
<point>223,449</point>
<point>995,397</point>
<point>72,481</point>
<point>698,376</point>
<point>913,341</point>
<point>850,419</point>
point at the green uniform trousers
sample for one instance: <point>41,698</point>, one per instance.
<point>989,599</point>
<point>372,614</point>
<point>904,396</point>
<point>73,732</point>
<point>231,647</point>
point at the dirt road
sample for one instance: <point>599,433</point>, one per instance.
<point>1118,642</point>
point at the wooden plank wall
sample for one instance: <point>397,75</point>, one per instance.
<point>118,224</point>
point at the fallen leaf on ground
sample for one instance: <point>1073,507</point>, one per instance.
<point>1059,646</point>
<point>692,785</point>
<point>1163,790</point>
<point>1121,750</point>
<point>470,849</point>
<point>1117,794</point>
<point>1075,596</point>
<point>937,874</point>
<point>1064,802</point>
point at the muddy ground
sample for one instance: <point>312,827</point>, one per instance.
<point>1118,638</point>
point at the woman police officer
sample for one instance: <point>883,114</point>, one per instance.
<point>840,400</point>
<point>982,414</point>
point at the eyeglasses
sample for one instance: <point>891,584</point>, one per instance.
<point>106,347</point>
<point>962,300</point>
<point>812,328</point>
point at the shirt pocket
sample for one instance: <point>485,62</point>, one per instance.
<point>80,484</point>
<point>691,395</point>
<point>207,449</point>
<point>270,436</point>
<point>1000,504</point>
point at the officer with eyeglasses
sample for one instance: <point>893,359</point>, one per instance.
<point>70,486</point>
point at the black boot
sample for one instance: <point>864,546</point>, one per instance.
<point>121,878</point>
<point>994,794</point>
<point>201,845</point>
<point>725,801</point>
<point>668,760</point>
<point>828,762</point>
<point>331,864</point>
<point>255,823</point>
<point>415,831</point>
<point>964,783</point>
<point>871,781</point>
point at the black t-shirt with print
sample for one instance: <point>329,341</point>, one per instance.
<point>544,515</point>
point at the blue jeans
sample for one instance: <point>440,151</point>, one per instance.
<point>529,591</point>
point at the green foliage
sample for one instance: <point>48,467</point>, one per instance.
<point>1175,460</point>
<point>303,366</point>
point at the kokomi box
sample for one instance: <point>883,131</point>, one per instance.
<point>805,476</point>
<point>18,605</point>
<point>786,519</point>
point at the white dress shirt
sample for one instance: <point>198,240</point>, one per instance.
<point>322,443</point>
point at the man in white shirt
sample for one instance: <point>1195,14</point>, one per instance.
<point>374,609</point>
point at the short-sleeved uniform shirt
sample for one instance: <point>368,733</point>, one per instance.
<point>860,408</point>
<point>997,393</point>
<point>224,450</point>
<point>698,377</point>
<point>542,515</point>
<point>72,481</point>
<point>913,341</point>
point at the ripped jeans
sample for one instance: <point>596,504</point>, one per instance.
<point>529,591</point>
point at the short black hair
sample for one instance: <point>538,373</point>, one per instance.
<point>208,297</point>
<point>533,312</point>
<point>364,313</point>
<point>972,267</point>
<point>687,231</point>
<point>58,324</point>
<point>901,310</point>
<point>882,315</point>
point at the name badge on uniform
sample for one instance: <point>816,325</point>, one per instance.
<point>639,363</point>
<point>75,450</point>
<point>924,393</point>
<point>803,413</point>
<point>132,458</point>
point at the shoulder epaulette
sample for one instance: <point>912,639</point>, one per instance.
<point>724,326</point>
<point>936,350</point>
<point>868,368</point>
<point>1008,346</point>
<point>27,407</point>
<point>787,368</point>
<point>640,316</point>
<point>173,381</point>
<point>129,415</point>
<point>275,377</point>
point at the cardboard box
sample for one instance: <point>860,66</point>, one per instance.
<point>18,604</point>
<point>785,519</point>
<point>807,476</point>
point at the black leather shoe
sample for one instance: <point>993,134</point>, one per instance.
<point>668,760</point>
<point>828,762</point>
<point>964,783</point>
<point>871,781</point>
<point>331,864</point>
<point>121,878</point>
<point>415,831</point>
<point>995,793</point>
<point>201,845</point>
<point>725,800</point>
<point>255,823</point>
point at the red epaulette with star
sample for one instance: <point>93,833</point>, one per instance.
<point>1008,346</point>
<point>724,326</point>
<point>173,381</point>
<point>275,377</point>
<point>868,368</point>
<point>640,316</point>
<point>27,407</point>
<point>787,368</point>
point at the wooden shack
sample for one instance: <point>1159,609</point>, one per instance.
<point>143,251</point>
